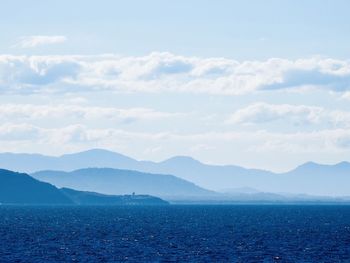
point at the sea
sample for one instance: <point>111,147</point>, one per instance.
<point>175,233</point>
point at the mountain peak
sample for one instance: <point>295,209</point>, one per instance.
<point>98,153</point>
<point>309,164</point>
<point>181,159</point>
<point>306,167</point>
<point>97,150</point>
<point>93,151</point>
<point>343,164</point>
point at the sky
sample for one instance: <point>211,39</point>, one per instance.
<point>263,84</point>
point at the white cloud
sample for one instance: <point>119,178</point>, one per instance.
<point>31,112</point>
<point>35,41</point>
<point>259,113</point>
<point>264,112</point>
<point>165,72</point>
<point>346,95</point>
<point>19,132</point>
<point>330,141</point>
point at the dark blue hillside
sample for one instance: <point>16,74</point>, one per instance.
<point>19,188</point>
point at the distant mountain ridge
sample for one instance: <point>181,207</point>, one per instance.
<point>310,178</point>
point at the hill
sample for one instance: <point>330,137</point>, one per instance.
<point>19,188</point>
<point>121,182</point>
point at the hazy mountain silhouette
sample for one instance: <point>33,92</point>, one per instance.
<point>117,182</point>
<point>311,178</point>
<point>19,188</point>
<point>187,168</point>
<point>319,179</point>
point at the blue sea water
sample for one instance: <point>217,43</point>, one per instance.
<point>241,233</point>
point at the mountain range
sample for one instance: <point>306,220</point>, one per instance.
<point>309,178</point>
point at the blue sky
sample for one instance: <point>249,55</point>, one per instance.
<point>234,29</point>
<point>256,83</point>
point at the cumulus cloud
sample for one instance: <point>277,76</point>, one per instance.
<point>314,77</point>
<point>261,112</point>
<point>166,72</point>
<point>35,41</point>
<point>27,75</point>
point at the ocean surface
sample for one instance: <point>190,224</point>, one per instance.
<point>241,233</point>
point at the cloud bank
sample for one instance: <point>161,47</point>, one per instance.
<point>81,136</point>
<point>167,73</point>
